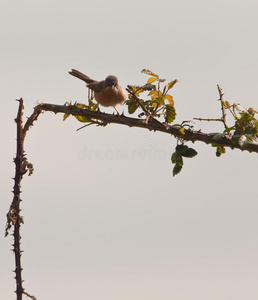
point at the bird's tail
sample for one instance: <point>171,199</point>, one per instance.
<point>81,76</point>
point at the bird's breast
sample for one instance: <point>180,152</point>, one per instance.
<point>110,96</point>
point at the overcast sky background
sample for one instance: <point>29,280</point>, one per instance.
<point>99,225</point>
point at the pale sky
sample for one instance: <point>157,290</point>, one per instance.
<point>99,225</point>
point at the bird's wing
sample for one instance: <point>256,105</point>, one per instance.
<point>97,86</point>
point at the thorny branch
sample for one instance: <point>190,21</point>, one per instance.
<point>224,115</point>
<point>30,121</point>
<point>189,135</point>
<point>208,119</point>
<point>13,216</point>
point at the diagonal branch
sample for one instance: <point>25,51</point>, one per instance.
<point>30,121</point>
<point>224,115</point>
<point>149,116</point>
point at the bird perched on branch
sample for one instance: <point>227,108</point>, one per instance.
<point>106,92</point>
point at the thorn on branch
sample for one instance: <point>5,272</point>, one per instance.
<point>30,296</point>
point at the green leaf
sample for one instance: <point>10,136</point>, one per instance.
<point>251,130</point>
<point>81,105</point>
<point>83,119</point>
<point>66,116</point>
<point>220,150</point>
<point>190,153</point>
<point>177,158</point>
<point>173,157</point>
<point>152,79</point>
<point>132,107</point>
<point>247,117</point>
<point>154,93</point>
<point>181,149</point>
<point>93,105</point>
<point>157,101</point>
<point>170,114</point>
<point>172,83</point>
<point>215,145</point>
<point>229,129</point>
<point>186,151</point>
<point>182,131</point>
<point>148,87</point>
<point>148,72</point>
<point>139,91</point>
<point>225,104</point>
<point>132,87</point>
<point>170,99</point>
<point>177,168</point>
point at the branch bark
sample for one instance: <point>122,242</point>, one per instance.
<point>174,130</point>
<point>15,206</point>
<point>13,216</point>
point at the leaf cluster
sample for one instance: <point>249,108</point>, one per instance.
<point>159,103</point>
<point>91,106</point>
<point>177,157</point>
<point>245,129</point>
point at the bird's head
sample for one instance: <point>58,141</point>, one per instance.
<point>111,81</point>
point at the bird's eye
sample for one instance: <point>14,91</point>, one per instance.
<point>110,82</point>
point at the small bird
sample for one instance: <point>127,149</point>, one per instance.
<point>106,92</point>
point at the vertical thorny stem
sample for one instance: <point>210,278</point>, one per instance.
<point>17,220</point>
<point>13,216</point>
